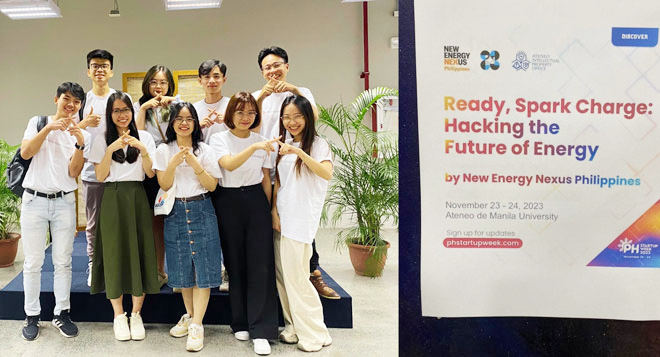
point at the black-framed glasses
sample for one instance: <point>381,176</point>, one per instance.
<point>96,66</point>
<point>121,111</point>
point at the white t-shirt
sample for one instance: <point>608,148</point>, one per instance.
<point>248,174</point>
<point>49,169</point>
<point>99,104</point>
<point>187,183</point>
<point>150,126</point>
<point>270,110</point>
<point>300,197</point>
<point>124,171</point>
<point>202,109</point>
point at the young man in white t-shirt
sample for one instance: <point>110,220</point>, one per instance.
<point>274,66</point>
<point>212,76</point>
<point>211,110</point>
<point>99,70</point>
<point>48,203</point>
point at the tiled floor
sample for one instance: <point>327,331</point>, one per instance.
<point>374,332</point>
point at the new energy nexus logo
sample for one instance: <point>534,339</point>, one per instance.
<point>535,62</point>
<point>455,60</point>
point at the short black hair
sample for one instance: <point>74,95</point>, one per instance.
<point>207,66</point>
<point>102,54</point>
<point>74,88</point>
<point>274,50</point>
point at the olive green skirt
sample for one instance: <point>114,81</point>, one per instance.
<point>124,260</point>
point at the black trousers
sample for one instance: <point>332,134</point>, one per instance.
<point>246,234</point>
<point>314,260</point>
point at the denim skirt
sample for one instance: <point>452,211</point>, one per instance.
<point>192,245</point>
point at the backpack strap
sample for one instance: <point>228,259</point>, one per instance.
<point>42,122</point>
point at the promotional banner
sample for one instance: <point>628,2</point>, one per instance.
<point>539,158</point>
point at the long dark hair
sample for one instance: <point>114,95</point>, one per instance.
<point>196,135</point>
<point>111,133</point>
<point>309,132</point>
<point>146,95</point>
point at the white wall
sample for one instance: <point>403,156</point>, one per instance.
<point>323,39</point>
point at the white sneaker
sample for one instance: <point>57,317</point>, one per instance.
<point>288,337</point>
<point>195,340</point>
<point>224,286</point>
<point>89,274</point>
<point>261,346</point>
<point>137,328</point>
<point>242,335</point>
<point>181,328</point>
<point>120,326</point>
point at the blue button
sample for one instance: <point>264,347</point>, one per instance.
<point>634,36</point>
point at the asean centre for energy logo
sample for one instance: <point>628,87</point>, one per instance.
<point>535,62</point>
<point>490,60</point>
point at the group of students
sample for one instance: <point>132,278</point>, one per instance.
<point>249,175</point>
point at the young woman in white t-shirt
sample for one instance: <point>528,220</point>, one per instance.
<point>124,260</point>
<point>152,113</point>
<point>191,229</point>
<point>243,206</point>
<point>304,167</point>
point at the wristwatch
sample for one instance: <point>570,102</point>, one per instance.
<point>80,147</point>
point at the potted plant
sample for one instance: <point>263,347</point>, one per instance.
<point>365,183</point>
<point>10,210</point>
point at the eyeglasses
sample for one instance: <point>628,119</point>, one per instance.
<point>121,111</point>
<point>187,120</point>
<point>275,65</point>
<point>96,66</point>
<point>241,114</point>
<point>155,83</point>
<point>297,117</point>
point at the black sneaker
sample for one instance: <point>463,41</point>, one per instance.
<point>65,325</point>
<point>31,328</point>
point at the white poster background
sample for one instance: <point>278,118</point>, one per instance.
<point>548,276</point>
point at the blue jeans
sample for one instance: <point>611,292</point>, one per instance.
<point>192,245</point>
<point>37,214</point>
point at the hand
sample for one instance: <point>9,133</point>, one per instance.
<point>153,102</point>
<point>190,158</point>
<point>267,145</point>
<point>120,143</point>
<point>268,88</point>
<point>133,142</point>
<point>179,157</point>
<point>276,221</point>
<point>166,101</point>
<point>91,119</point>
<point>281,87</point>
<point>209,119</point>
<point>76,132</point>
<point>288,149</point>
<point>59,124</point>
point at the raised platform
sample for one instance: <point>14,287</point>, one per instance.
<point>166,307</point>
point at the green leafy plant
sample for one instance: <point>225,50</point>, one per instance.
<point>365,183</point>
<point>10,204</point>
